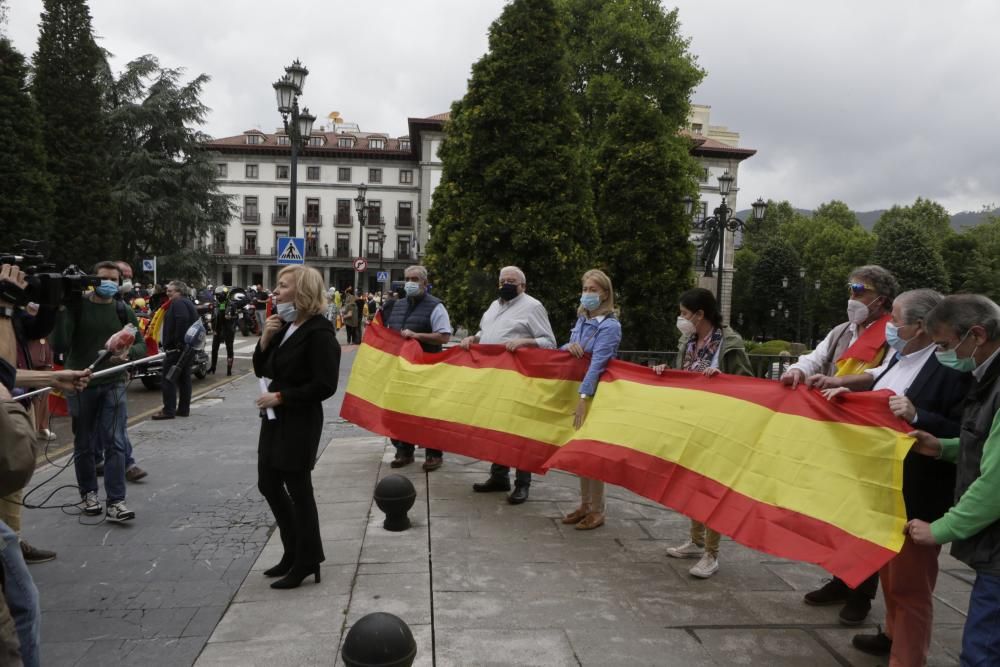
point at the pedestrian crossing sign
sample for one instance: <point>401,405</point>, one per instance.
<point>291,250</point>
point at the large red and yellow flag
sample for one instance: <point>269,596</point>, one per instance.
<point>781,471</point>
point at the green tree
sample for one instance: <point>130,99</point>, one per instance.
<point>26,204</point>
<point>68,67</point>
<point>909,251</point>
<point>982,266</point>
<point>644,173</point>
<point>924,213</point>
<point>778,261</point>
<point>164,185</point>
<point>961,255</point>
<point>515,188</point>
<point>836,212</point>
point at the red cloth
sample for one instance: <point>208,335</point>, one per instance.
<point>57,402</point>
<point>908,586</point>
<point>869,344</point>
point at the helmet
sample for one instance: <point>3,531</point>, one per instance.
<point>221,290</point>
<point>239,296</point>
<point>139,303</point>
<point>331,291</point>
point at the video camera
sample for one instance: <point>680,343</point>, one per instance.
<point>46,286</point>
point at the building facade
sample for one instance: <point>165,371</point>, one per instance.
<point>400,174</point>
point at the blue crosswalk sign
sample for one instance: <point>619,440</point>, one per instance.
<point>383,276</point>
<point>291,250</point>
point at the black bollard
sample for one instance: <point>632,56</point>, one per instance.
<point>394,495</point>
<point>379,640</point>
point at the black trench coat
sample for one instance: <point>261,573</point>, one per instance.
<point>305,370</point>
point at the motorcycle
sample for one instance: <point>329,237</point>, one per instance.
<point>205,310</point>
<point>248,320</point>
<point>151,374</point>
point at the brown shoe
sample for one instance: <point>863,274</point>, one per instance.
<point>576,516</point>
<point>161,415</point>
<point>591,521</point>
<point>401,461</point>
<point>432,463</point>
<point>135,473</point>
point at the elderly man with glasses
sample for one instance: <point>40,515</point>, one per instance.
<point>850,348</point>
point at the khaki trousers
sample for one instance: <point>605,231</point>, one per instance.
<point>705,537</point>
<point>592,494</point>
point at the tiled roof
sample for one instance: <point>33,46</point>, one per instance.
<point>362,141</point>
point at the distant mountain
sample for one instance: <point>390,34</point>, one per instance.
<point>869,218</point>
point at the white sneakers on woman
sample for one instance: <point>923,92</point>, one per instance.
<point>707,565</point>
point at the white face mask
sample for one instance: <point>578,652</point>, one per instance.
<point>685,326</point>
<point>126,287</point>
<point>287,312</point>
<point>858,311</point>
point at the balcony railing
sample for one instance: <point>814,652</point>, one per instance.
<point>404,255</point>
<point>343,253</point>
<point>219,249</point>
<point>343,220</point>
<point>404,221</point>
<point>313,252</point>
<point>312,219</point>
<point>251,217</point>
<point>248,251</point>
<point>374,221</point>
<point>279,219</point>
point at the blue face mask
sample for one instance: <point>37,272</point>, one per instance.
<point>411,289</point>
<point>950,358</point>
<point>590,300</point>
<point>107,289</point>
<point>893,339</point>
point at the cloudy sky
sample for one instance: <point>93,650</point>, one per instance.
<point>873,103</point>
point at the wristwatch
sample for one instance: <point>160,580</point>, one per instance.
<point>7,311</point>
<point>585,397</point>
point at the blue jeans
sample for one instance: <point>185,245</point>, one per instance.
<point>981,637</point>
<point>21,595</point>
<point>101,415</point>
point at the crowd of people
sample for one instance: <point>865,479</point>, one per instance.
<point>938,356</point>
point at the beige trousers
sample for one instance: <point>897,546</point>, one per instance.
<point>592,494</point>
<point>705,537</point>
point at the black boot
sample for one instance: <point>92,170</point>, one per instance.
<point>229,366</point>
<point>294,578</point>
<point>283,567</point>
<point>211,369</point>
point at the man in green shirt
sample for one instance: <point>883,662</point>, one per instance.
<point>99,411</point>
<point>966,329</point>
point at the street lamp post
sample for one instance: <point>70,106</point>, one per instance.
<point>298,127</point>
<point>381,251</point>
<point>362,209</point>
<point>715,228</point>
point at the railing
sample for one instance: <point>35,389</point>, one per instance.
<point>770,366</point>
<point>374,221</point>
<point>219,249</point>
<point>251,217</point>
<point>342,253</point>
<point>312,252</point>
<point>279,219</point>
<point>343,220</point>
<point>404,220</point>
<point>312,219</point>
<point>404,255</point>
<point>372,254</point>
<point>248,251</point>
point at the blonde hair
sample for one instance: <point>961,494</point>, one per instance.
<point>310,290</point>
<point>607,306</point>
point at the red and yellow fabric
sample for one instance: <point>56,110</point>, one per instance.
<point>782,471</point>
<point>868,351</point>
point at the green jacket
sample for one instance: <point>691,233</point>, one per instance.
<point>81,334</point>
<point>733,359</point>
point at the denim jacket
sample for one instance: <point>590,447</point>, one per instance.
<point>599,337</point>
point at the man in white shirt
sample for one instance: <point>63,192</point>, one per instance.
<point>515,319</point>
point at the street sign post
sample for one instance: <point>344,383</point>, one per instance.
<point>383,276</point>
<point>291,250</point>
<point>360,264</point>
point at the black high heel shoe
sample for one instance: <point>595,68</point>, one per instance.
<point>283,567</point>
<point>294,578</point>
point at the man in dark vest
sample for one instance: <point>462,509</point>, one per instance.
<point>423,318</point>
<point>966,328</point>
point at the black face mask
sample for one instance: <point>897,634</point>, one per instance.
<point>507,291</point>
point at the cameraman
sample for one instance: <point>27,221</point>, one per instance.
<point>100,411</point>
<point>181,315</point>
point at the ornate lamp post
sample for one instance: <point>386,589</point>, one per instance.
<point>381,251</point>
<point>298,126</point>
<point>362,209</point>
<point>715,228</point>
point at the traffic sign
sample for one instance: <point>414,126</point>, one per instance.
<point>149,265</point>
<point>360,264</point>
<point>383,276</point>
<point>291,250</point>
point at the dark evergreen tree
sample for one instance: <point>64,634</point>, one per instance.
<point>164,186</point>
<point>66,85</point>
<point>515,188</point>
<point>910,252</point>
<point>26,202</point>
<point>644,172</point>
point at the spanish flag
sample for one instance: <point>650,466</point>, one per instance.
<point>785,472</point>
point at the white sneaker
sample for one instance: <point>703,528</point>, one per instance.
<point>90,504</point>
<point>118,512</point>
<point>706,567</point>
<point>686,550</point>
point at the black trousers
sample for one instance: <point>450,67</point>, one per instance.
<point>866,589</point>
<point>407,449</point>
<point>290,497</point>
<point>182,384</point>
<point>225,333</point>
<point>521,477</point>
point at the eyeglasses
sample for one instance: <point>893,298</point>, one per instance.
<point>859,288</point>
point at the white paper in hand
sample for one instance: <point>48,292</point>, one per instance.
<point>263,390</point>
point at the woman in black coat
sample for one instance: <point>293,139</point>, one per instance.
<point>298,351</point>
